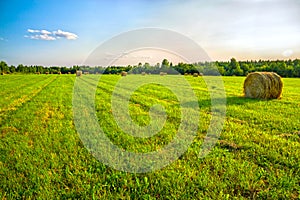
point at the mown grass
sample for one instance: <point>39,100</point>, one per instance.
<point>42,156</point>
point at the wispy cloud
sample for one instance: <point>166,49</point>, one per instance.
<point>32,31</point>
<point>287,53</point>
<point>47,35</point>
<point>45,32</point>
<point>41,37</point>
<point>3,39</point>
<point>64,34</point>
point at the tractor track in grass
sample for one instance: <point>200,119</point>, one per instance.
<point>153,94</point>
<point>139,98</point>
<point>140,101</point>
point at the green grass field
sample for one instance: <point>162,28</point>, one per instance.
<point>42,156</point>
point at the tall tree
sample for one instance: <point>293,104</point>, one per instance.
<point>165,63</point>
<point>4,67</point>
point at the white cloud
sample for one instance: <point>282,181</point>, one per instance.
<point>47,35</point>
<point>64,34</point>
<point>287,53</point>
<point>45,32</point>
<point>43,37</point>
<point>40,37</point>
<point>33,31</point>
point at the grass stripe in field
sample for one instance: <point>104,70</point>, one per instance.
<point>15,90</point>
<point>10,83</point>
<point>7,79</point>
<point>32,91</point>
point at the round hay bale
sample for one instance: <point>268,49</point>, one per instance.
<point>123,73</point>
<point>200,74</point>
<point>263,85</point>
<point>195,74</point>
<point>143,73</point>
<point>78,73</point>
<point>162,73</point>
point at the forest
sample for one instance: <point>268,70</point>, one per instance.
<point>285,68</point>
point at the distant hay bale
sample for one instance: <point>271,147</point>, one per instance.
<point>143,73</point>
<point>86,73</point>
<point>200,74</point>
<point>186,74</point>
<point>195,74</point>
<point>162,73</point>
<point>59,73</point>
<point>78,73</point>
<point>123,73</point>
<point>263,85</point>
<point>69,72</point>
<point>38,73</point>
<point>46,73</point>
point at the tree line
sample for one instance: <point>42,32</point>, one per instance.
<point>285,68</point>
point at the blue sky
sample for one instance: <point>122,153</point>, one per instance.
<point>66,32</point>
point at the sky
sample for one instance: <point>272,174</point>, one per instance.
<point>65,33</point>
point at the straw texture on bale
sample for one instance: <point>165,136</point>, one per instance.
<point>263,85</point>
<point>123,73</point>
<point>78,73</point>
